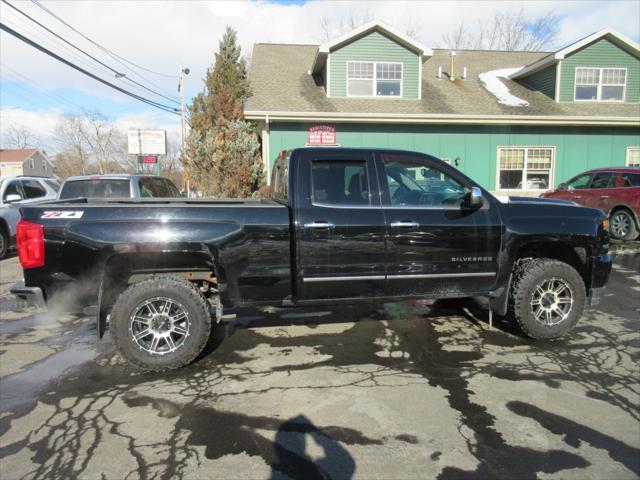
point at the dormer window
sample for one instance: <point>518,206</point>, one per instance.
<point>374,79</point>
<point>600,84</point>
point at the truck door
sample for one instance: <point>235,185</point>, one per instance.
<point>339,226</point>
<point>435,246</point>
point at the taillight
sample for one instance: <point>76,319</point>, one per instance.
<point>30,240</point>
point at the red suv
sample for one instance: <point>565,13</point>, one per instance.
<point>616,191</point>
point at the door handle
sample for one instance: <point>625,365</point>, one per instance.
<point>577,196</point>
<point>604,197</point>
<point>405,224</point>
<point>319,224</point>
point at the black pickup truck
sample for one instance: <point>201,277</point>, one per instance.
<point>341,226</point>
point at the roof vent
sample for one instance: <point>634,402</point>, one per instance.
<point>464,73</point>
<point>439,73</point>
<point>452,75</point>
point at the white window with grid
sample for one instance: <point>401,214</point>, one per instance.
<point>600,84</point>
<point>525,168</point>
<point>633,157</point>
<point>374,79</point>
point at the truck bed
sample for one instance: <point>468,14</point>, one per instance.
<point>90,241</point>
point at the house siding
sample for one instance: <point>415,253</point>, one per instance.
<point>602,53</point>
<point>374,47</point>
<point>577,148</point>
<point>38,170</point>
<point>543,81</point>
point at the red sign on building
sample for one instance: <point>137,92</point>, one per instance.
<point>322,135</point>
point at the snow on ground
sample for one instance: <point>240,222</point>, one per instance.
<point>493,83</point>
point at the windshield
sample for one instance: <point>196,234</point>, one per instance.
<point>98,188</point>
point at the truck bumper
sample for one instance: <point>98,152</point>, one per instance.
<point>32,295</point>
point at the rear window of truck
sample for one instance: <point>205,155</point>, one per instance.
<point>99,188</point>
<point>157,187</point>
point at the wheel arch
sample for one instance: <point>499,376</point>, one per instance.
<point>123,269</point>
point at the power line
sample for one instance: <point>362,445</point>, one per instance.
<point>117,73</point>
<point>37,46</point>
<point>38,86</point>
<point>112,54</point>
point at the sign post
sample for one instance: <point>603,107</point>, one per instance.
<point>148,145</point>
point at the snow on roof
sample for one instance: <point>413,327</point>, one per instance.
<point>493,83</point>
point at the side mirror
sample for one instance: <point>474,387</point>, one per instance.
<point>13,197</point>
<point>562,187</point>
<point>473,198</point>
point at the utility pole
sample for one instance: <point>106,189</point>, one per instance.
<point>183,72</point>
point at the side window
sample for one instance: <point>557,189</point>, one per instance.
<point>413,184</point>
<point>153,187</point>
<point>14,188</point>
<point>603,180</point>
<point>631,179</point>
<point>579,183</point>
<point>340,183</point>
<point>33,189</point>
<point>173,190</point>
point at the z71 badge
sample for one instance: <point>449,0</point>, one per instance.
<point>60,214</point>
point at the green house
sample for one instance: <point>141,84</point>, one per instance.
<point>514,121</point>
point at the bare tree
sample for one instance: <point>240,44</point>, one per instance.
<point>331,28</point>
<point>509,30</point>
<point>89,142</point>
<point>325,29</point>
<point>19,137</point>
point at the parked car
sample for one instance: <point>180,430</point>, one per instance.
<point>118,186</point>
<point>615,191</point>
<point>16,192</point>
<point>342,226</point>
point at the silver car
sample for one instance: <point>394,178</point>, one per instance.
<point>16,192</point>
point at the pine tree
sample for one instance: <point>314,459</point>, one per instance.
<point>226,87</point>
<point>223,148</point>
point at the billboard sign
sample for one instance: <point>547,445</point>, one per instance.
<point>322,135</point>
<point>151,142</point>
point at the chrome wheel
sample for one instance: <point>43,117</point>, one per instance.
<point>551,301</point>
<point>621,225</point>
<point>159,325</point>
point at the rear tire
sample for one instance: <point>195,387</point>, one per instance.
<point>4,242</point>
<point>547,298</point>
<point>161,323</point>
<point>622,225</point>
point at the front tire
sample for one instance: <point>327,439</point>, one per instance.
<point>622,225</point>
<point>161,323</point>
<point>547,298</point>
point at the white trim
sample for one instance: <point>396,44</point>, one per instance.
<point>558,76</point>
<point>600,85</point>
<point>524,169</point>
<point>419,77</point>
<point>391,32</point>
<point>562,54</point>
<point>629,149</point>
<point>440,118</point>
<point>375,80</point>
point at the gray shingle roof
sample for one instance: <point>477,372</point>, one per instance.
<point>280,83</point>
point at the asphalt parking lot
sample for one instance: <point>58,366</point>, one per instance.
<point>382,391</point>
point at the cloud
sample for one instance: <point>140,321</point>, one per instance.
<point>161,35</point>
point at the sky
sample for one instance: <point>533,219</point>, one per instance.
<point>35,90</point>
